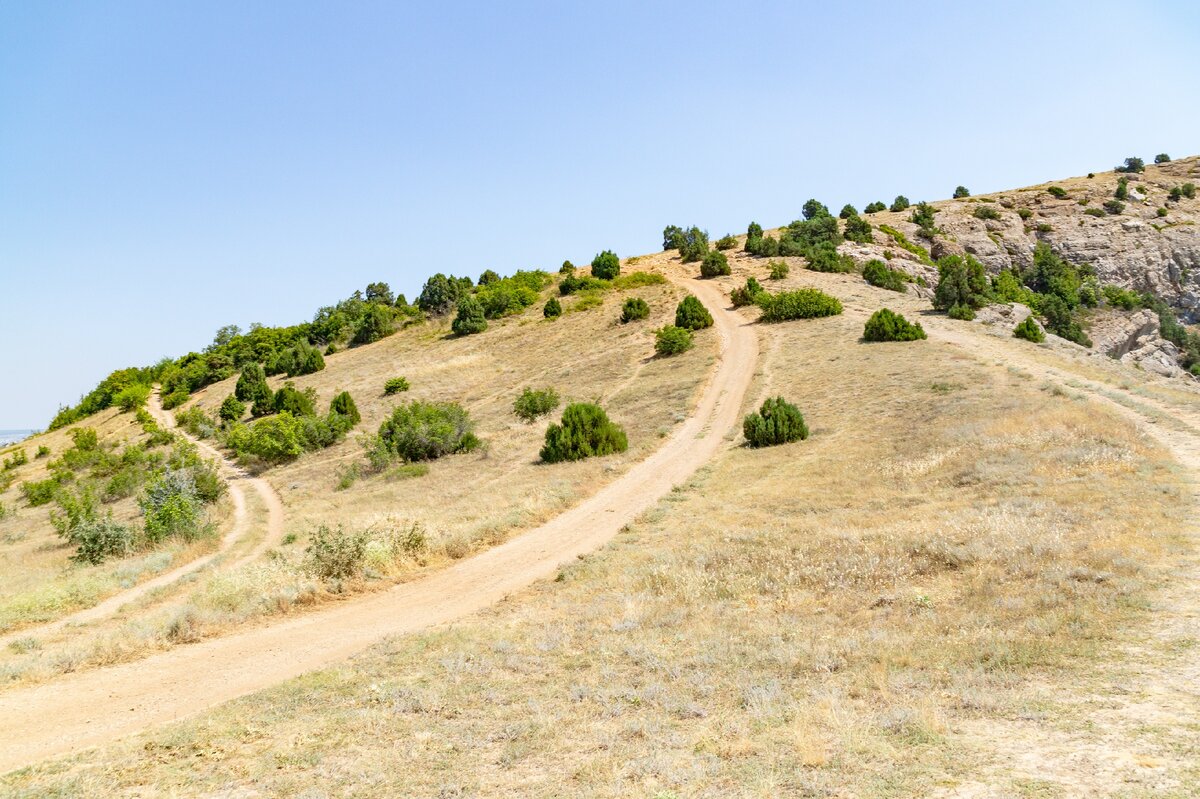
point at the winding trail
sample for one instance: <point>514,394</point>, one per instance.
<point>234,477</point>
<point>94,707</point>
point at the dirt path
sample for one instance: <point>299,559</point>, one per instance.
<point>234,478</point>
<point>94,707</point>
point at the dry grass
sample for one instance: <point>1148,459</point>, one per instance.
<point>811,619</point>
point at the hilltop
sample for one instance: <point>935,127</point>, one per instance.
<point>967,570</point>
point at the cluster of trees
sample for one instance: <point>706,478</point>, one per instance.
<point>815,237</point>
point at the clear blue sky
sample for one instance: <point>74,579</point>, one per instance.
<point>168,168</point>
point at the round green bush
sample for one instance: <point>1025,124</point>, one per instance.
<point>634,308</point>
<point>298,403</point>
<point>606,265</point>
<point>960,192</point>
<point>798,304</point>
<point>1029,330</point>
<point>531,404</point>
<point>552,309</point>
<point>900,203</point>
<point>470,318</point>
<point>691,314</point>
<point>877,273</point>
<point>885,325</point>
<point>422,431</point>
<point>963,313</point>
<point>672,340</point>
<point>746,295</point>
<point>714,264</point>
<point>985,212</point>
<point>726,242</point>
<point>394,385</point>
<point>585,431</point>
<point>232,409</point>
<point>776,422</point>
<point>343,405</point>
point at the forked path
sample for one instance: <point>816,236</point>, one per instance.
<point>234,477</point>
<point>97,706</point>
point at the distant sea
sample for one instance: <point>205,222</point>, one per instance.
<point>12,436</point>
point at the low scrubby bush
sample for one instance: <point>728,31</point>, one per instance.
<point>714,264</point>
<point>798,304</point>
<point>691,314</point>
<point>132,397</point>
<point>825,258</point>
<point>1122,298</point>
<point>777,270</point>
<point>961,281</point>
<point>1162,158</point>
<point>573,284</point>
<point>886,325</point>
<point>232,409</point>
<point>1114,207</point>
<point>746,295</point>
<point>672,340</point>
<point>1057,191</point>
<point>97,540</point>
<point>394,385</point>
<point>857,229</point>
<point>878,274</point>
<point>552,309</point>
<point>847,211</point>
<point>1131,165</point>
<point>18,458</point>
<point>634,308</point>
<point>585,431</point>
<point>963,313</point>
<point>531,404</point>
<point>422,431</point>
<point>334,554</point>
<point>289,399</point>
<point>1029,330</point>
<point>776,422</point>
<point>986,212</point>
<point>726,243</point>
<point>377,322</point>
<point>172,508</point>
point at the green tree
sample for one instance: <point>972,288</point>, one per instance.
<point>606,265</point>
<point>585,431</point>
<point>847,211</point>
<point>857,229</point>
<point>960,192</point>
<point>886,325</point>
<point>691,314</point>
<point>961,281</point>
<point>470,318</point>
<point>1132,164</point>
<point>813,208</point>
<point>1162,158</point>
<point>343,405</point>
<point>901,203</point>
<point>776,422</point>
<point>552,309</point>
<point>232,409</point>
<point>672,340</point>
<point>633,309</point>
<point>714,264</point>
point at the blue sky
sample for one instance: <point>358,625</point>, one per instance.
<point>166,169</point>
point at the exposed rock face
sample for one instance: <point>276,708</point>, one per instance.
<point>1116,334</point>
<point>1004,317</point>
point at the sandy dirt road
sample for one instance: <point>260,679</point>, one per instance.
<point>97,706</point>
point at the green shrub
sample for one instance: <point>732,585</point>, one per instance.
<point>875,207</point>
<point>132,396</point>
<point>961,281</point>
<point>963,313</point>
<point>726,242</point>
<point>42,452</point>
<point>798,304</point>
<point>714,264</point>
<point>172,508</point>
<point>763,247</point>
<point>343,405</point>
<point>636,280</point>
<point>470,318</point>
<point>825,258</point>
<point>275,439</point>
<point>489,276</point>
<point>1024,213</point>
<point>1131,165</point>
<point>813,209</point>
<point>961,192</point>
<point>1057,191</point>
<point>694,246</point>
<point>900,203</point>
<point>566,268</point>
<point>776,422</point>
<point>672,340</point>
<point>531,404</point>
<point>1188,190</point>
<point>633,309</point>
<point>585,431</point>
<point>885,325</point>
<point>1094,212</point>
<point>1161,212</point>
<point>97,540</point>
<point>1162,158</point>
<point>552,309</point>
<point>1060,318</point>
<point>857,229</point>
<point>904,243</point>
<point>847,211</point>
<point>18,458</point>
<point>777,270</point>
<point>573,284</point>
<point>252,384</point>
<point>877,273</point>
<point>441,292</point>
<point>1122,298</point>
<point>334,554</point>
<point>1028,329</point>
<point>421,431</point>
<point>986,212</point>
<point>672,237</point>
<point>1122,192</point>
<point>291,400</point>
<point>1114,207</point>
<point>232,409</point>
<point>196,422</point>
<point>606,265</point>
<point>302,359</point>
<point>175,399</point>
<point>746,295</point>
<point>922,215</point>
<point>377,322</point>
<point>691,314</point>
<point>394,385</point>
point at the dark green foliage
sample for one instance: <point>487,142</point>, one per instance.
<point>963,313</point>
<point>726,243</point>
<point>1094,212</point>
<point>776,422</point>
<point>1162,158</point>
<point>877,273</point>
<point>1170,329</point>
<point>334,554</point>
<point>263,406</point>
<point>1060,319</point>
<point>812,208</point>
<point>672,237</point>
<point>960,192</point>
<point>777,270</point>
<point>798,304</point>
<point>901,203</point>
<point>922,217</point>
<point>694,246</point>
<point>566,268</point>
<point>1188,190</point>
<point>691,314</point>
<point>1057,191</point>
<point>585,431</point>
<point>301,359</point>
<point>1122,192</point>
<point>857,229</point>
<point>394,385</point>
<point>746,295</point>
<point>1131,165</point>
<point>572,284</point>
<point>961,281</point>
<point>489,276</point>
<point>298,403</point>
<point>714,264</point>
<point>847,211</point>
<point>1024,213</point>
<point>1114,207</point>
<point>754,234</point>
<point>421,431</point>
<point>380,292</point>
<point>606,265</point>
<point>1161,212</point>
<point>985,212</point>
<point>875,207</point>
<point>232,409</point>
<point>440,293</point>
<point>764,246</point>
<point>377,322</point>
<point>40,492</point>
<point>634,308</point>
<point>173,508</point>
<point>552,309</point>
<point>672,340</point>
<point>531,404</point>
<point>1028,329</point>
<point>343,405</point>
<point>885,325</point>
<point>825,258</point>
<point>470,318</point>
